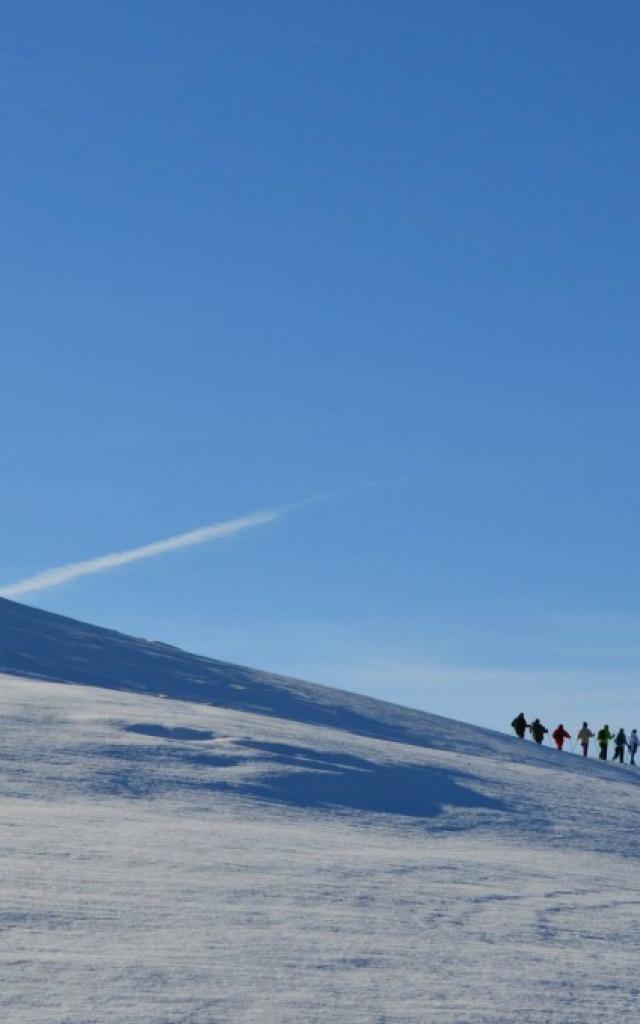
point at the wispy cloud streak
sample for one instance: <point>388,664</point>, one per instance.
<point>66,573</point>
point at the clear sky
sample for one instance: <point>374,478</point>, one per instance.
<point>257,250</point>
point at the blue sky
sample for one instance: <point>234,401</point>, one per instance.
<point>253,252</point>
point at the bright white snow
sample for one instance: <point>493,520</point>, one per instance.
<point>173,862</point>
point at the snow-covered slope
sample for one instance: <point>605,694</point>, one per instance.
<point>40,645</point>
<point>256,849</point>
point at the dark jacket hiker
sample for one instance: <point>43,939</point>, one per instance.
<point>519,725</point>
<point>537,730</point>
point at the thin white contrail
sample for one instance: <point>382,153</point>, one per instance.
<point>65,573</point>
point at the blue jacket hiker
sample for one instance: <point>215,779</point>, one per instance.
<point>620,744</point>
<point>633,743</point>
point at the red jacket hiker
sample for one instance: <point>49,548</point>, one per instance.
<point>560,735</point>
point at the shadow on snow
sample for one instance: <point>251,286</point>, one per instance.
<point>169,733</point>
<point>295,776</point>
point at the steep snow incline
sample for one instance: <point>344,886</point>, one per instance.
<point>236,858</point>
<point>40,645</point>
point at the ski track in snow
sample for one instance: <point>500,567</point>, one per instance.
<point>258,850</point>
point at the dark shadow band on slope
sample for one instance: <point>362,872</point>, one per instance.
<point>166,732</point>
<point>294,776</point>
<point>328,779</point>
<point>408,791</point>
<point>41,645</point>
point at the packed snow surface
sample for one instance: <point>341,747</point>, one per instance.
<point>188,842</point>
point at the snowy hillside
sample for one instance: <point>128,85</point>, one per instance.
<point>255,849</point>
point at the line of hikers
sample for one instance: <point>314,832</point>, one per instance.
<point>604,736</point>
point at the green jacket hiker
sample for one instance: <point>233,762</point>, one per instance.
<point>604,737</point>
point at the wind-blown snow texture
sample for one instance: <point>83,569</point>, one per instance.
<point>257,849</point>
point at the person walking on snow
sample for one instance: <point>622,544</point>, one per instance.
<point>519,725</point>
<point>633,743</point>
<point>538,730</point>
<point>603,737</point>
<point>584,736</point>
<point>560,735</point>
<point>621,742</point>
